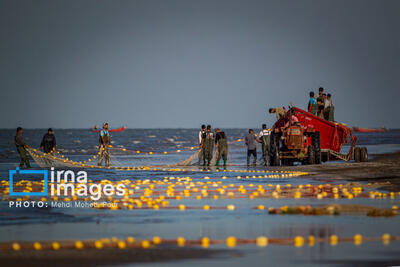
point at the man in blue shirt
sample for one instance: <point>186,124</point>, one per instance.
<point>105,142</point>
<point>312,104</point>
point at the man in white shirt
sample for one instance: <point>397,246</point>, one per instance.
<point>264,139</point>
<point>329,109</point>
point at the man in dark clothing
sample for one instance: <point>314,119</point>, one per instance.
<point>321,102</point>
<point>264,139</point>
<point>250,141</point>
<point>201,133</point>
<point>48,144</point>
<point>221,145</point>
<point>208,146</point>
<point>21,147</point>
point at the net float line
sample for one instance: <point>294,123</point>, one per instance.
<point>84,164</point>
<point>205,242</point>
<point>189,148</point>
<point>183,188</point>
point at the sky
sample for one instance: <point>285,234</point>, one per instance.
<point>182,63</point>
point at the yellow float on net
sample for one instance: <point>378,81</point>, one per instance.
<point>156,240</point>
<point>37,246</point>
<point>386,239</point>
<point>262,241</point>
<point>78,245</point>
<point>180,241</point>
<point>231,241</point>
<point>145,244</point>
<point>333,240</point>
<point>55,245</point>
<point>98,244</point>
<point>121,244</point>
<point>205,242</point>
<point>230,207</point>
<point>357,239</point>
<point>298,241</point>
<point>16,246</point>
<point>311,240</point>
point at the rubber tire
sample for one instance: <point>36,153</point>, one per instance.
<point>311,155</point>
<point>363,154</point>
<point>316,143</point>
<point>274,157</point>
<point>357,154</point>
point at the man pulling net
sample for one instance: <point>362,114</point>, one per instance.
<point>104,139</point>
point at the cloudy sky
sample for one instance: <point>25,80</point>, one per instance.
<point>170,64</point>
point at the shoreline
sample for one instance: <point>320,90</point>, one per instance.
<point>382,168</point>
<point>103,257</point>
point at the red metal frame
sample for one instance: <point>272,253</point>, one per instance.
<point>333,135</point>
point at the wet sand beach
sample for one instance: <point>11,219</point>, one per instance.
<point>381,168</point>
<point>105,257</point>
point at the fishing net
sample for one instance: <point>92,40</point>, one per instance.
<point>45,160</point>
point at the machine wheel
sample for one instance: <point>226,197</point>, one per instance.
<point>275,160</point>
<point>363,154</point>
<point>311,155</point>
<point>325,156</point>
<point>316,143</point>
<point>357,154</point>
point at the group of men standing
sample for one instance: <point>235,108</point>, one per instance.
<point>207,142</point>
<point>322,106</point>
<point>48,145</point>
<point>209,139</point>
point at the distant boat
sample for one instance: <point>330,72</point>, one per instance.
<point>116,130</point>
<point>368,130</point>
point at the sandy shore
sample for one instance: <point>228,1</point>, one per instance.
<point>94,257</point>
<point>383,168</point>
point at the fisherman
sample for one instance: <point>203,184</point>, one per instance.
<point>280,112</point>
<point>320,102</point>
<point>312,104</point>
<point>201,132</point>
<point>329,108</point>
<point>21,147</point>
<point>264,139</point>
<point>208,146</point>
<point>221,146</point>
<point>48,144</point>
<point>104,140</point>
<point>250,141</point>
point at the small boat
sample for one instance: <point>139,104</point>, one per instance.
<point>116,130</point>
<point>368,130</point>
